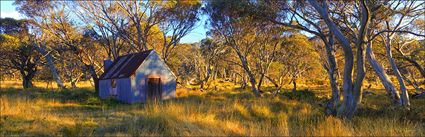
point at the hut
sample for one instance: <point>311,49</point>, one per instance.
<point>137,77</point>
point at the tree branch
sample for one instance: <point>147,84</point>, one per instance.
<point>399,31</point>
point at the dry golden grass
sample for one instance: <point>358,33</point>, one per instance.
<point>220,113</point>
<point>42,84</point>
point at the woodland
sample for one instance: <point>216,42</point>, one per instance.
<point>265,67</point>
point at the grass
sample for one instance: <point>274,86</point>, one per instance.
<point>79,112</point>
<point>42,84</point>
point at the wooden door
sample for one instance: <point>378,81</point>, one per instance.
<point>154,89</point>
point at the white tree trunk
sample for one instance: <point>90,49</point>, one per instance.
<point>352,92</point>
<point>404,95</point>
<point>347,84</point>
<point>385,80</point>
<point>51,65</point>
<point>333,76</point>
<point>248,71</point>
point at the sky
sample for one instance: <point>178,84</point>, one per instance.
<point>199,32</point>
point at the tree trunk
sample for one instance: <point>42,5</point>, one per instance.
<point>247,69</point>
<point>224,74</point>
<point>74,83</point>
<point>27,76</point>
<point>214,74</point>
<point>361,58</point>
<point>276,85</point>
<point>50,64</point>
<point>244,83</point>
<point>253,85</point>
<point>385,80</point>
<point>294,83</point>
<point>360,75</point>
<point>333,75</point>
<point>94,76</point>
<point>207,77</point>
<point>404,95</point>
<point>347,84</point>
<point>54,71</point>
<point>235,78</point>
<point>27,82</point>
<point>260,82</point>
<point>352,92</point>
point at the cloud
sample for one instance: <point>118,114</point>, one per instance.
<point>10,14</point>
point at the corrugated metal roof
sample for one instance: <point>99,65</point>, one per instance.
<point>125,66</point>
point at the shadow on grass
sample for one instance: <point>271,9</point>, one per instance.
<point>301,125</point>
<point>79,94</point>
<point>22,126</point>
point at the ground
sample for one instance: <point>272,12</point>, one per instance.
<point>219,111</point>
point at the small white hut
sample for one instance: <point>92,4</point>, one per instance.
<point>137,77</point>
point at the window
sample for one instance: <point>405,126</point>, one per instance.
<point>113,83</point>
<point>114,87</point>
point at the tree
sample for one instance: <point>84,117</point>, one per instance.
<point>38,13</point>
<point>411,56</point>
<point>79,45</point>
<point>17,51</point>
<point>352,90</point>
<point>104,22</point>
<point>297,56</point>
<point>407,14</point>
<point>244,34</point>
<point>180,17</point>
<point>301,16</point>
<point>212,53</point>
<point>315,18</point>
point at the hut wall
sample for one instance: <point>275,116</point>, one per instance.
<point>124,92</point>
<point>154,66</point>
<point>104,88</point>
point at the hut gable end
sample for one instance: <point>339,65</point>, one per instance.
<point>155,65</point>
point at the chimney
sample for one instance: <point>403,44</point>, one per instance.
<point>106,64</point>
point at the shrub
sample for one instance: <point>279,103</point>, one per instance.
<point>300,95</point>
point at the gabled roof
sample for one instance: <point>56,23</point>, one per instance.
<point>125,66</point>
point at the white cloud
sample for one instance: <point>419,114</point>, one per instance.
<point>10,14</point>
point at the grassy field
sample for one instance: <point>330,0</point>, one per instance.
<point>220,112</point>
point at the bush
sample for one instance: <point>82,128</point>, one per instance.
<point>93,101</point>
<point>300,95</point>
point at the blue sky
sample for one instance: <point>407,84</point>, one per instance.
<point>199,33</point>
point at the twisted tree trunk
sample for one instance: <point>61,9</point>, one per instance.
<point>352,92</point>
<point>333,76</point>
<point>404,95</point>
<point>385,80</point>
<point>248,71</point>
